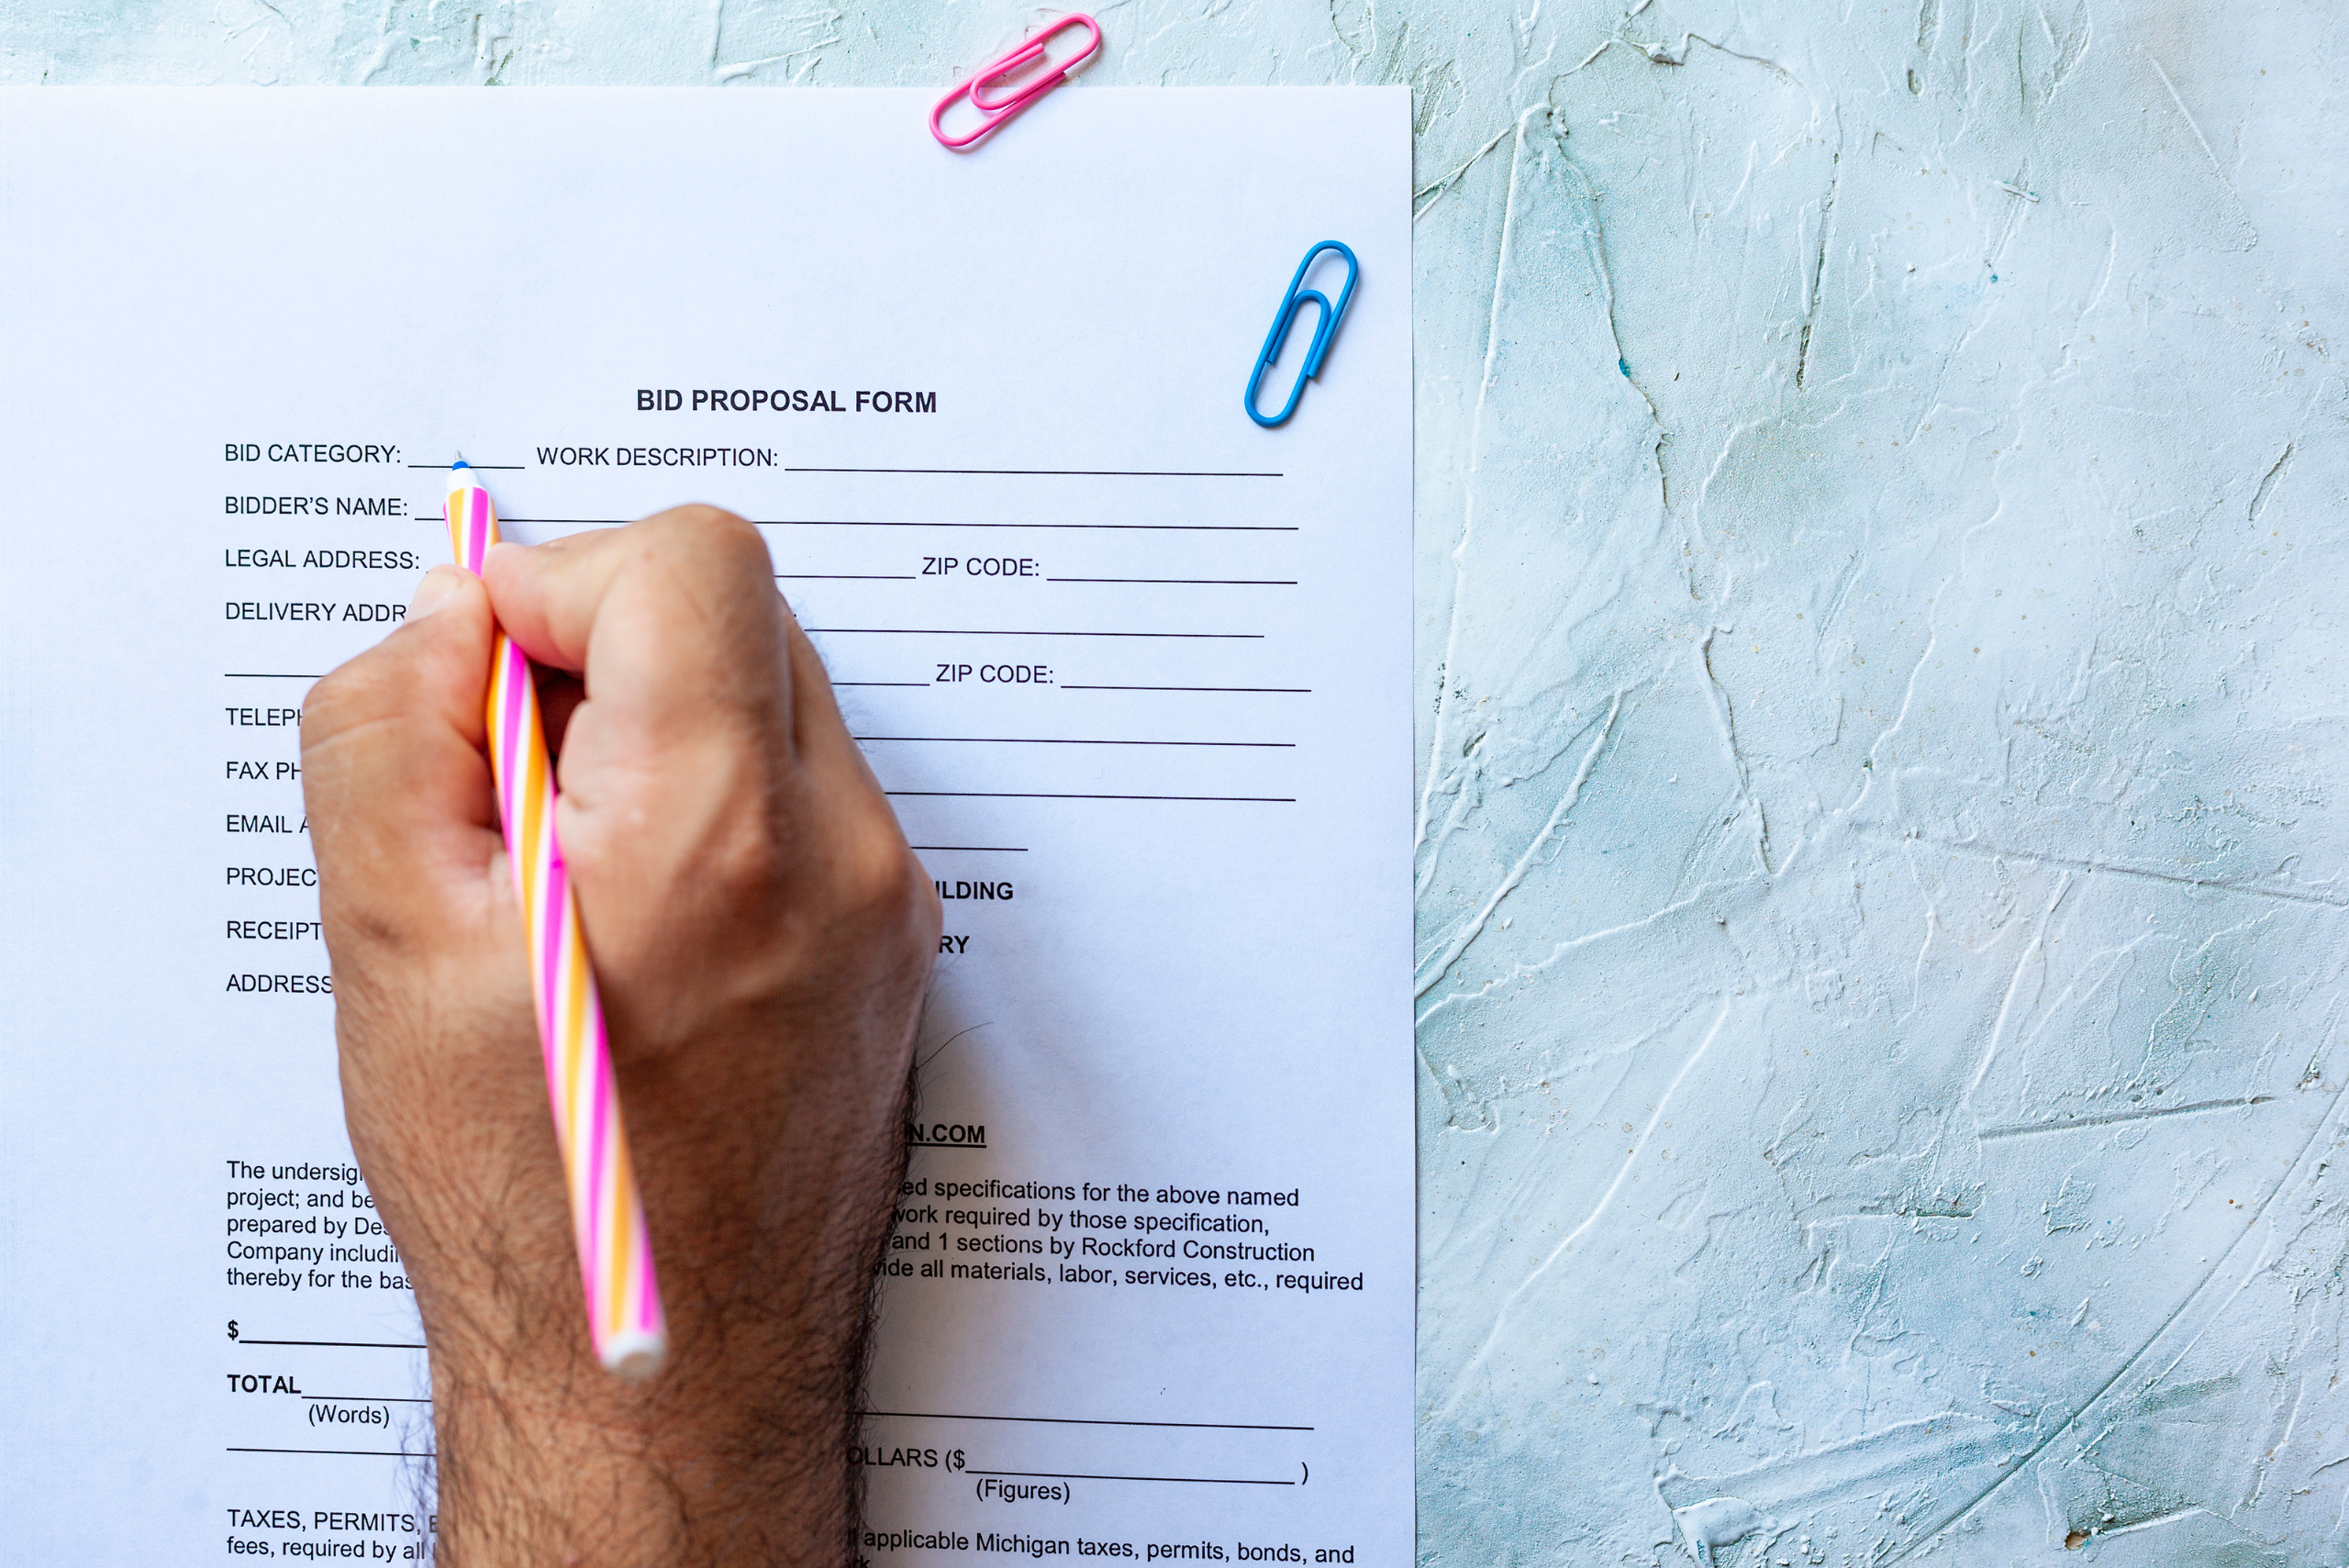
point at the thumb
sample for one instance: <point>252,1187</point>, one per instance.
<point>394,767</point>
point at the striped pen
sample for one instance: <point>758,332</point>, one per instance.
<point>606,1212</point>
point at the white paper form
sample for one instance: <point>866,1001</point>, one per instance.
<point>1134,672</point>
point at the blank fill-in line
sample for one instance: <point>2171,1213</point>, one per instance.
<point>843,576</point>
<point>264,675</point>
<point>492,467</point>
<point>362,1453</point>
<point>874,523</point>
<point>984,631</point>
<point>1202,582</point>
<point>974,850</point>
<point>1043,741</point>
<point>1083,1421</point>
<point>337,1344</point>
<point>1298,691</point>
<point>1184,1480</point>
<point>880,682</point>
<point>1058,472</point>
<point>370,1398</point>
<point>1031,794</point>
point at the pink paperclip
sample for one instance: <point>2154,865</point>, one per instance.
<point>995,70</point>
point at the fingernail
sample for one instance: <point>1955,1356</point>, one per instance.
<point>434,591</point>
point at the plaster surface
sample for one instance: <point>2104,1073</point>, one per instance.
<point>1880,498</point>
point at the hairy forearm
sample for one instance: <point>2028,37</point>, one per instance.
<point>762,937</point>
<point>759,1474</point>
<point>738,1452</point>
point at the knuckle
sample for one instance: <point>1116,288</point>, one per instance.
<point>346,698</point>
<point>697,515</point>
<point>716,540</point>
<point>748,854</point>
<point>708,533</point>
<point>879,881</point>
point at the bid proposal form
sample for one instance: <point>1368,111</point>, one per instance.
<point>1134,672</point>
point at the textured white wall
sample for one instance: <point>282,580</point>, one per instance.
<point>1882,878</point>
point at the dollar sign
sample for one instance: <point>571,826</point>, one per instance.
<point>954,1459</point>
<point>232,1328</point>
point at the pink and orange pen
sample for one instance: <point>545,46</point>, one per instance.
<point>624,1315</point>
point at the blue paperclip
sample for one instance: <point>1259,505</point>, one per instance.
<point>1326,329</point>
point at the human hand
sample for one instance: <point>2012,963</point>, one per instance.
<point>762,936</point>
